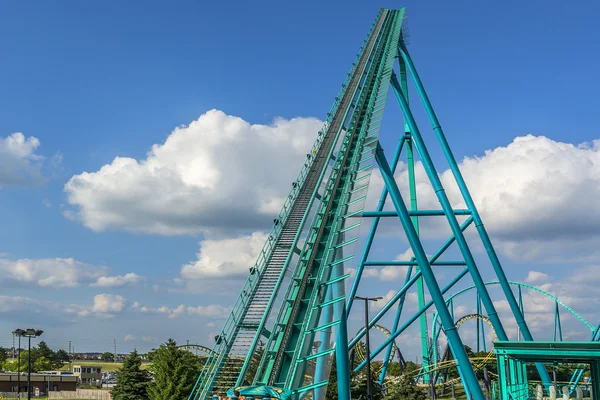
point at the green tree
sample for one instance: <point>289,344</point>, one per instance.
<point>132,381</point>
<point>332,388</point>
<point>10,366</point>
<point>41,364</point>
<point>411,367</point>
<point>107,356</point>
<point>358,388</point>
<point>42,350</point>
<point>406,389</point>
<point>175,371</point>
<point>3,355</point>
<point>394,369</point>
<point>60,358</point>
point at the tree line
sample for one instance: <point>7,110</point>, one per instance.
<point>43,358</point>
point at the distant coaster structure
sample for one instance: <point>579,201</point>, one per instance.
<point>291,316</point>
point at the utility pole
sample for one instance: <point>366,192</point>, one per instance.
<point>13,335</point>
<point>115,358</point>
<point>70,356</point>
<point>368,352</point>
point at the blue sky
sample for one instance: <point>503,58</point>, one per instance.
<point>95,81</point>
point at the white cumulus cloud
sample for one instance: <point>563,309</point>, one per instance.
<point>536,276</point>
<point>129,337</point>
<point>130,278</point>
<point>225,258</point>
<point>211,310</point>
<point>218,172</point>
<point>49,272</point>
<point>19,163</point>
<point>108,303</point>
<point>537,196</point>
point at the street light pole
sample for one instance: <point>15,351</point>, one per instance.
<point>29,370</point>
<point>19,333</point>
<point>29,333</point>
<point>19,371</point>
<point>368,352</point>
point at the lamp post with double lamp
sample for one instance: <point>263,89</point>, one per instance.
<point>368,352</point>
<point>19,333</point>
<point>29,333</point>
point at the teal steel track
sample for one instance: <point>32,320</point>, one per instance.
<point>287,352</point>
<point>235,347</point>
<point>291,315</point>
<point>436,327</point>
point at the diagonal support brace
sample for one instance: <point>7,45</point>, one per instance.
<point>456,345</point>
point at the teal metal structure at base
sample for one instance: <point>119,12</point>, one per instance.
<point>512,357</point>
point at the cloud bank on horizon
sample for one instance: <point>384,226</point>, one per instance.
<point>223,177</point>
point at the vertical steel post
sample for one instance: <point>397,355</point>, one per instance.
<point>29,370</point>
<point>557,325</point>
<point>456,345</point>
<point>478,320</point>
<point>368,352</point>
<point>19,370</point>
<point>321,372</point>
<point>522,312</point>
<point>388,352</point>
<point>487,243</point>
<point>341,355</point>
<point>415,220</point>
<point>482,324</point>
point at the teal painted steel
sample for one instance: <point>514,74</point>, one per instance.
<point>332,188</point>
<point>447,207</point>
<point>415,213</point>
<point>510,297</point>
<point>436,325</point>
<point>300,316</point>
<point>458,350</point>
<point>373,229</point>
<point>557,325</point>
<point>299,200</point>
<point>388,351</point>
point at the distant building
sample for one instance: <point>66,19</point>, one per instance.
<point>88,374</point>
<point>9,382</point>
<point>63,373</point>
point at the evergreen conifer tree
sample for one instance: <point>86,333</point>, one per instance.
<point>175,371</point>
<point>132,381</point>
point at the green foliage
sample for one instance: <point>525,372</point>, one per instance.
<point>107,356</point>
<point>406,389</point>
<point>42,364</point>
<point>13,366</point>
<point>358,388</point>
<point>43,358</point>
<point>3,355</point>
<point>332,389</point>
<point>411,367</point>
<point>174,370</point>
<point>42,350</point>
<point>394,369</point>
<point>132,381</point>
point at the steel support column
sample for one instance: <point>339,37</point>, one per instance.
<point>456,345</point>
<point>487,243</point>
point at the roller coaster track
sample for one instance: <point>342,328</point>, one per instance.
<point>350,118</point>
<point>478,362</point>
